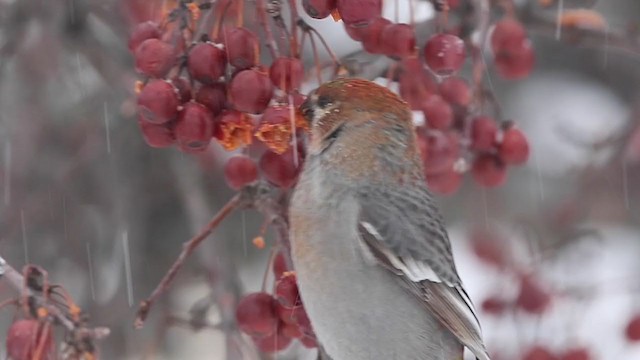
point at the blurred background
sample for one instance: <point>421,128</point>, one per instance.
<point>551,258</point>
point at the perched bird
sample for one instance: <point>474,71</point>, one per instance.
<point>373,259</point>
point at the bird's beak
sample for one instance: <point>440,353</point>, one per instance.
<point>306,109</point>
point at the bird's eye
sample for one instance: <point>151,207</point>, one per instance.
<point>323,102</point>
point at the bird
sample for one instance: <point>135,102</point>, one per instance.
<point>372,256</point>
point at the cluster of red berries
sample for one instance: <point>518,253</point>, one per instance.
<point>274,321</point>
<point>29,339</point>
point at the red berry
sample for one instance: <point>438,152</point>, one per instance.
<point>515,62</point>
<point>440,151</point>
<point>489,248</point>
<point>538,352</point>
<point>507,33</point>
<point>256,314</point>
<point>359,11</point>
<point>398,40</point>
<point>183,87</point>
<point>319,9</point>
<point>206,62</point>
<point>157,136</point>
<point>279,265</point>
<point>277,341</point>
<point>294,315</point>
<point>532,298</point>
<point>142,32</point>
<point>488,170</point>
<point>632,331</point>
<point>371,34</point>
<point>233,129</point>
<point>483,133</point>
<point>242,46</point>
<point>494,306</point>
<point>437,113</point>
<point>444,54</point>
<point>24,337</point>
<point>291,330</point>
<point>286,73</point>
<point>239,171</point>
<point>445,183</point>
<point>416,84</point>
<point>154,58</point>
<point>281,170</point>
<point>194,127</point>
<point>578,353</point>
<point>250,91</point>
<point>456,91</point>
<point>158,102</point>
<point>213,96</point>
<point>514,149</point>
<point>287,291</point>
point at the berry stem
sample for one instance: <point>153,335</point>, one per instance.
<point>294,29</point>
<point>316,59</point>
<point>240,13</point>
<point>262,19</point>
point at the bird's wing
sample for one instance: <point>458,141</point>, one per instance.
<point>402,230</point>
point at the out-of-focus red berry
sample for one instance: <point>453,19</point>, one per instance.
<point>532,298</point>
<point>494,306</point>
<point>632,331</point>
<point>538,352</point>
<point>154,58</point>
<point>515,62</point>
<point>277,341</point>
<point>439,151</point>
<point>142,32</point>
<point>157,136</point>
<point>183,87</point>
<point>398,40</point>
<point>286,73</point>
<point>483,133</point>
<point>279,265</point>
<point>359,11</point>
<point>507,33</point>
<point>242,47</point>
<point>194,127</point>
<point>437,113</point>
<point>291,330</point>
<point>24,337</point>
<point>577,353</point>
<point>256,314</point>
<point>250,91</point>
<point>444,183</point>
<point>456,91</point>
<point>287,290</point>
<point>213,96</point>
<point>206,62</point>
<point>444,54</point>
<point>371,35</point>
<point>488,170</point>
<point>281,170</point>
<point>319,9</point>
<point>158,102</point>
<point>514,149</point>
<point>489,248</point>
<point>240,170</point>
<point>416,84</point>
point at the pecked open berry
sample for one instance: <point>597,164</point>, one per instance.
<point>437,112</point>
<point>444,183</point>
<point>281,169</point>
<point>514,149</point>
<point>213,96</point>
<point>287,290</point>
<point>488,170</point>
<point>256,314</point>
<point>286,73</point>
<point>233,129</point>
<point>359,11</point>
<point>483,133</point>
<point>277,341</point>
<point>142,32</point>
<point>157,136</point>
<point>206,62</point>
<point>250,91</point>
<point>154,58</point>
<point>240,170</point>
<point>398,40</point>
<point>158,102</point>
<point>277,125</point>
<point>25,336</point>
<point>319,9</point>
<point>242,46</point>
<point>456,91</point>
<point>194,127</point>
<point>444,54</point>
